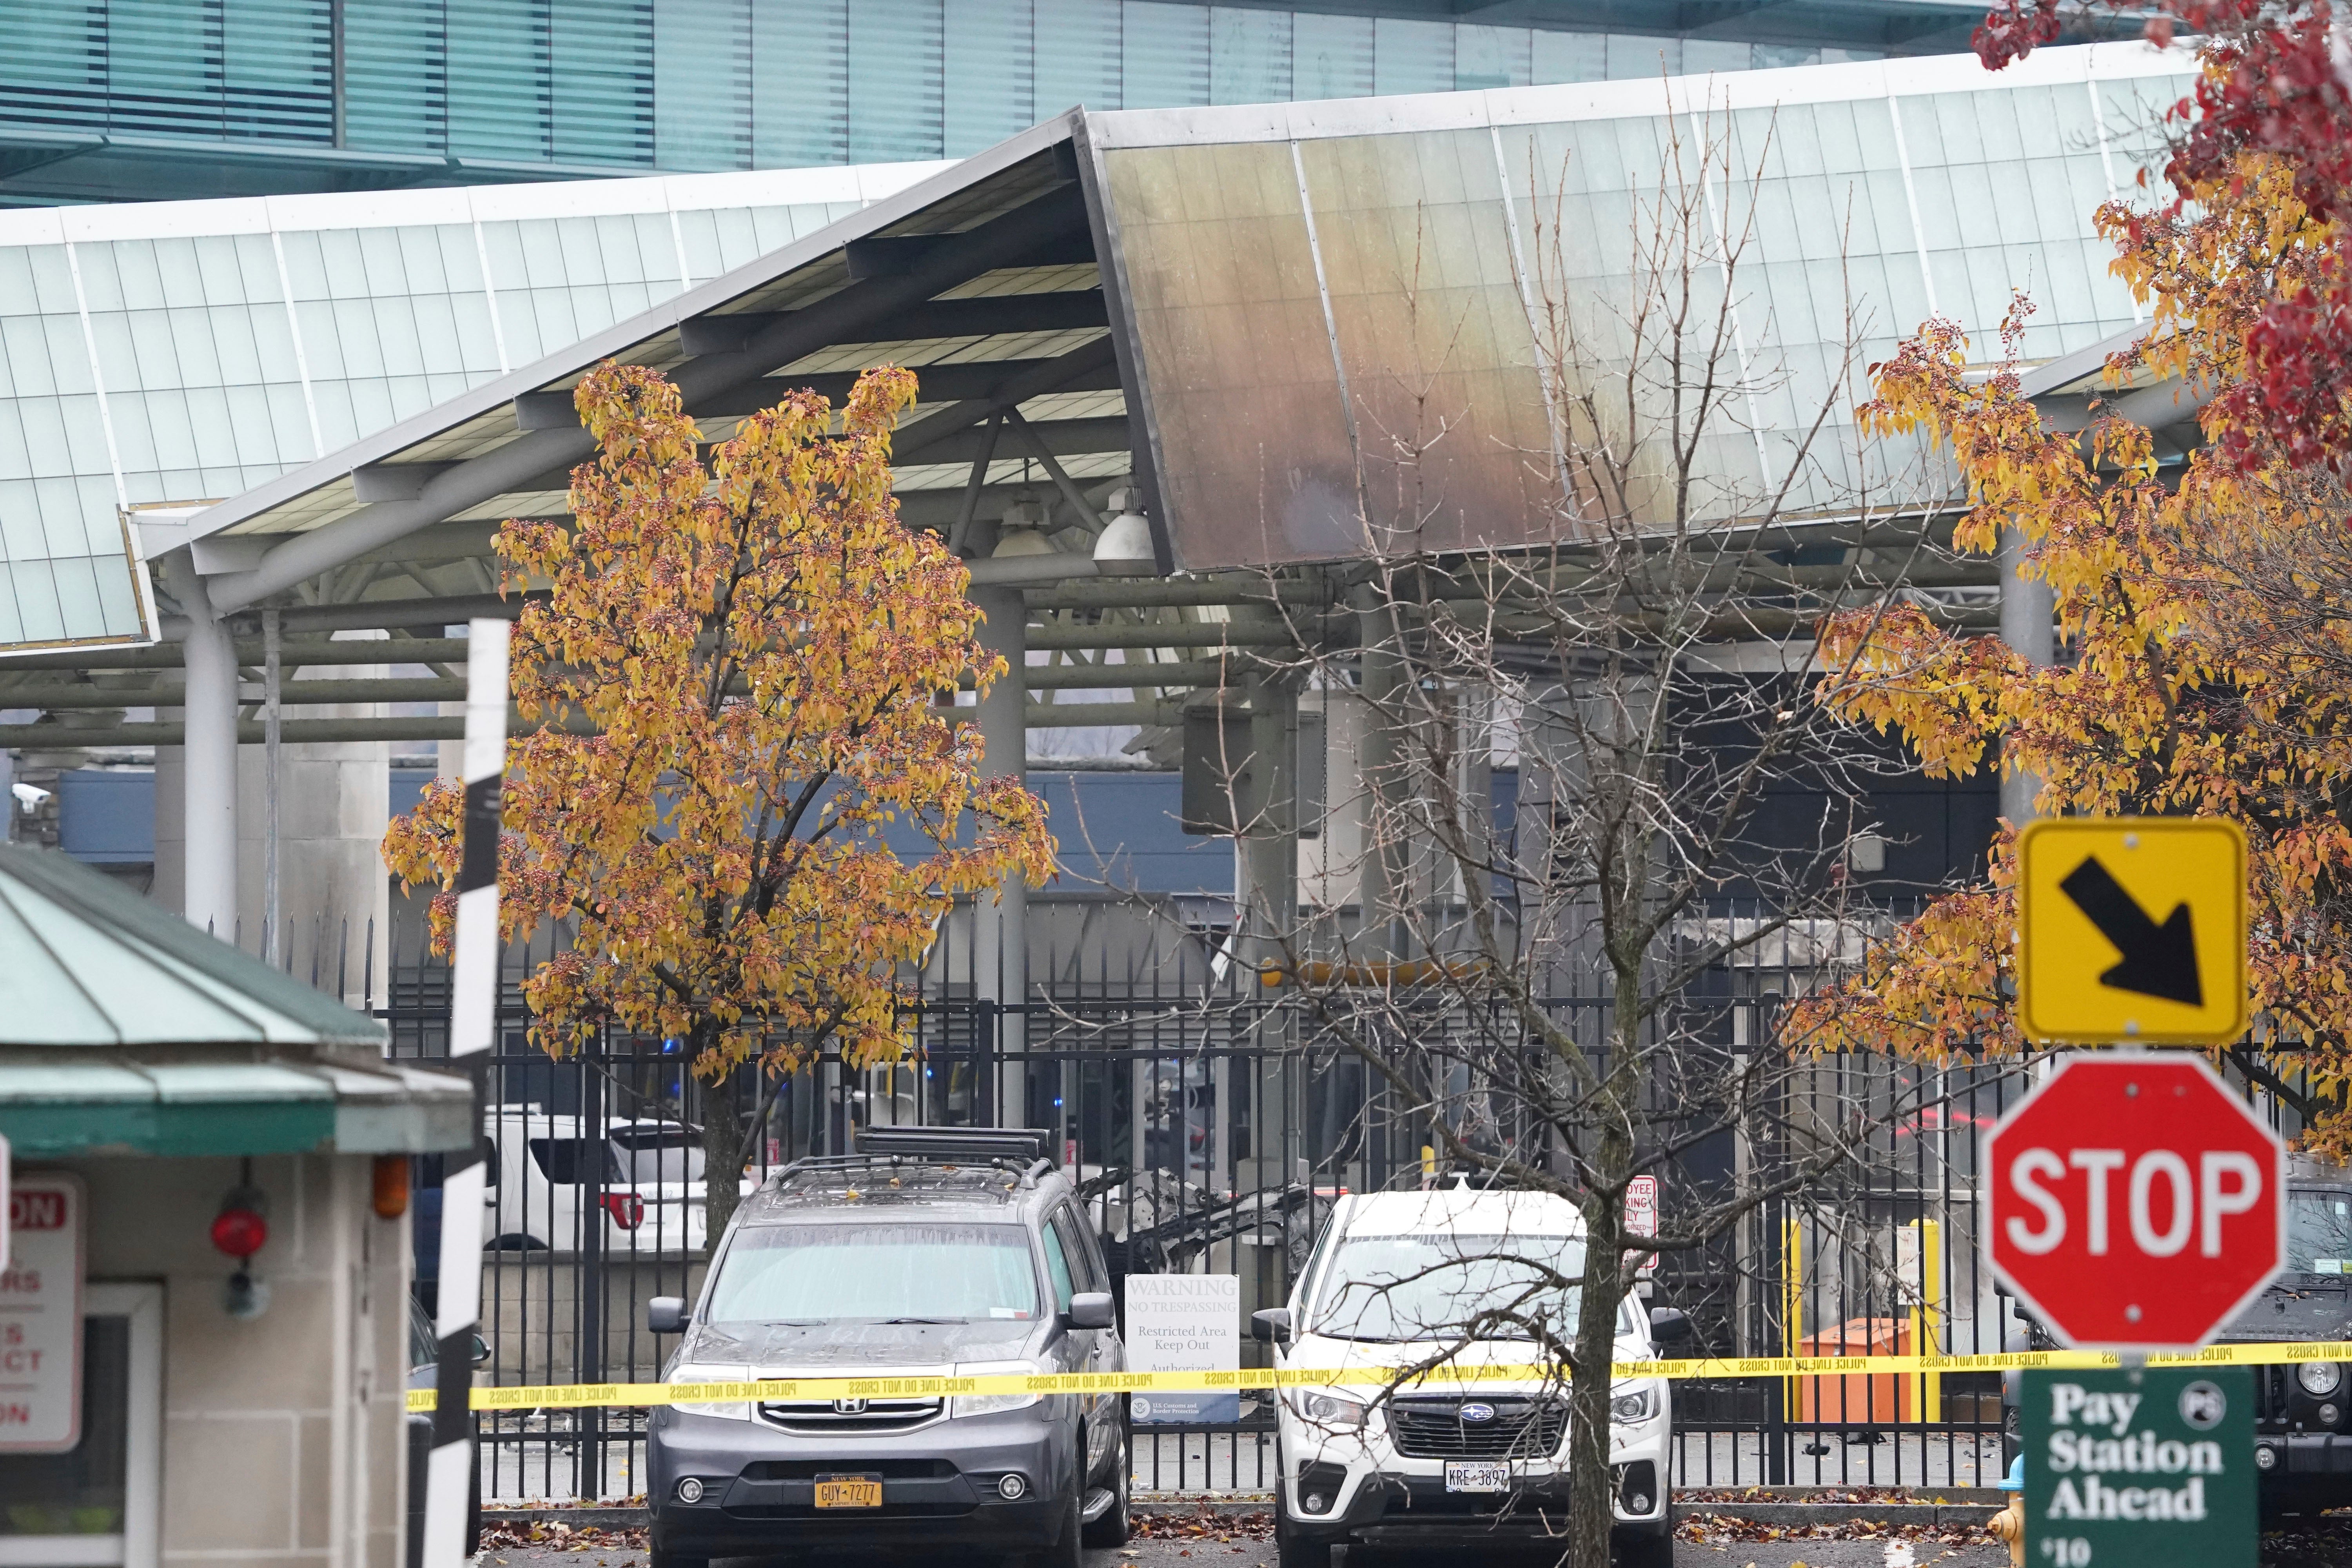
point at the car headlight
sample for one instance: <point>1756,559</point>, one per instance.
<point>993,1403</point>
<point>2319,1378</point>
<point>1331,1412</point>
<point>1627,1409</point>
<point>727,1410</point>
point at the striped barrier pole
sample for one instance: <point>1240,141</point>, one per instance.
<point>473,1022</point>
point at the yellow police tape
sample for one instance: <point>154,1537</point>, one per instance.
<point>579,1394</point>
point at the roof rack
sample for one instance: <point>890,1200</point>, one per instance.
<point>1024,1145</point>
<point>956,1152</point>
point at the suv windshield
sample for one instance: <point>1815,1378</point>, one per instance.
<point>2319,1232</point>
<point>1428,1286</point>
<point>876,1273</point>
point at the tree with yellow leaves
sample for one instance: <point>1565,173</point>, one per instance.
<point>2205,622</point>
<point>743,663</point>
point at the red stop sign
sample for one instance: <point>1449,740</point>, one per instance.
<point>2134,1202</point>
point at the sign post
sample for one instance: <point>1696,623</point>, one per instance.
<point>2131,1200</point>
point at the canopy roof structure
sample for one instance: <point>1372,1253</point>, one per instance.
<point>127,1029</point>
<point>2073,389</point>
<point>1225,301</point>
<point>1232,314</point>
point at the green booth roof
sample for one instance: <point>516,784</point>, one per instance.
<point>125,1030</point>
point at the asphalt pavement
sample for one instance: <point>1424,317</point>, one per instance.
<point>1209,1543</point>
<point>1196,1554</point>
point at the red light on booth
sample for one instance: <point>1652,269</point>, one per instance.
<point>239,1232</point>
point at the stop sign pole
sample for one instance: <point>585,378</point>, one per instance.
<point>2133,1202</point>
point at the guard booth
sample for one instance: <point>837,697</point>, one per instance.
<point>205,1317</point>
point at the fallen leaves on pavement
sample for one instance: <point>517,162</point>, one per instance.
<point>1206,1526</point>
<point>557,1536</point>
<point>1709,1530</point>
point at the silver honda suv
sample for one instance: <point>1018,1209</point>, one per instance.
<point>931,1252</point>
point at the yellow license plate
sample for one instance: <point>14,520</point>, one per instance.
<point>849,1491</point>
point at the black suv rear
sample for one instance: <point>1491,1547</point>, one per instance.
<point>931,1252</point>
<point>2303,1410</point>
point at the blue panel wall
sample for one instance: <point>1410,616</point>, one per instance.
<point>1118,833</point>
<point>107,816</point>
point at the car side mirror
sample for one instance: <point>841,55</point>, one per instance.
<point>1670,1327</point>
<point>1271,1324</point>
<point>667,1315</point>
<point>481,1353</point>
<point>1092,1309</point>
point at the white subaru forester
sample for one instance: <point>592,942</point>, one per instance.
<point>1393,1281</point>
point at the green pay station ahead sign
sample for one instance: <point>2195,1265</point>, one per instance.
<point>2151,1467</point>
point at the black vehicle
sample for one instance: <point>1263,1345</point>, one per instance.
<point>2302,1413</point>
<point>424,1367</point>
<point>931,1252</point>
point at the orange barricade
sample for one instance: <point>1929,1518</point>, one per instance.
<point>1858,1399</point>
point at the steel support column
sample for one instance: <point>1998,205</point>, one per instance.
<point>2029,614</point>
<point>1384,876</point>
<point>1268,824</point>
<point>209,776</point>
<point>1001,925</point>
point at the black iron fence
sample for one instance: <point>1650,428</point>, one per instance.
<point>1215,1129</point>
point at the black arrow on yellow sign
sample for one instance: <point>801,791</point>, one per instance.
<point>2157,959</point>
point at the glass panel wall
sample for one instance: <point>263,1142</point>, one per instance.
<point>1385,331</point>
<point>732,84</point>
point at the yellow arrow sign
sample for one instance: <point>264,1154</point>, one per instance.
<point>2131,929</point>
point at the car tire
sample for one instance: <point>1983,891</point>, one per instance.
<point>658,1558</point>
<point>1068,1549</point>
<point>1291,1549</point>
<point>1117,1522</point>
<point>1645,1548</point>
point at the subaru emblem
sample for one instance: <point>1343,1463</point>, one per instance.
<point>849,1407</point>
<point>1478,1414</point>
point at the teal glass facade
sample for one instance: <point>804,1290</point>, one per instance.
<point>333,94</point>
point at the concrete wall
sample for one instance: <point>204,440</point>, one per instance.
<point>284,1434</point>
<point>332,808</point>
